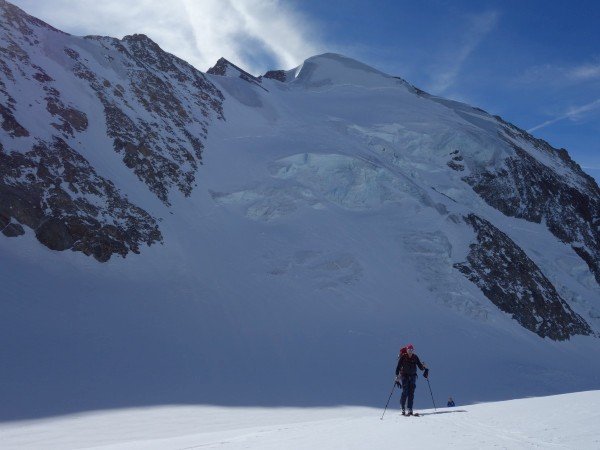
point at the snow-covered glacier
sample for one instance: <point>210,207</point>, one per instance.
<point>175,237</point>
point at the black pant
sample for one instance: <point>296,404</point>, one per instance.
<point>409,383</point>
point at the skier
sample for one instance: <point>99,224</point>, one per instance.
<point>451,402</point>
<point>406,377</point>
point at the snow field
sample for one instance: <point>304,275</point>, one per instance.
<point>566,421</point>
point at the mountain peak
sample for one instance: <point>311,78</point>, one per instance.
<point>335,69</point>
<point>19,19</point>
<point>225,68</point>
<point>139,38</point>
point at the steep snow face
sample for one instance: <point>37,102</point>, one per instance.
<point>512,171</point>
<point>417,159</point>
<point>335,216</point>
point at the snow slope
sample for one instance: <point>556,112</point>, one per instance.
<point>322,230</point>
<point>563,421</point>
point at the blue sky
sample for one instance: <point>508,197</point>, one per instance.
<point>535,63</point>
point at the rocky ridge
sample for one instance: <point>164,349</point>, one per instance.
<point>224,67</point>
<point>157,110</point>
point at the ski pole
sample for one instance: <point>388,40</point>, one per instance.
<point>388,402</point>
<point>429,384</point>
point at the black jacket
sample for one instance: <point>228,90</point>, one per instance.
<point>407,365</point>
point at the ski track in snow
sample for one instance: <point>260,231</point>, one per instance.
<point>566,421</point>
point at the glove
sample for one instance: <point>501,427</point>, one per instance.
<point>426,373</point>
<point>397,382</point>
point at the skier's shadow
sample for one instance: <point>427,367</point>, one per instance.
<point>443,412</point>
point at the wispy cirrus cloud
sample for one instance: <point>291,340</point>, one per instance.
<point>565,78</point>
<point>252,31</point>
<point>585,72</point>
<point>561,75</point>
<point>255,34</point>
<point>448,69</point>
<point>573,113</point>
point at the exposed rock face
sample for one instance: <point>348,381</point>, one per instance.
<point>527,189</point>
<point>279,75</point>
<point>513,282</point>
<point>53,190</point>
<point>9,123</point>
<point>157,111</point>
<point>166,150</point>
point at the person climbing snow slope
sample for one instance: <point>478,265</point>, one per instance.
<point>406,377</point>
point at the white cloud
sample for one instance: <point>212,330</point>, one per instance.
<point>254,34</point>
<point>585,72</point>
<point>561,75</point>
<point>573,113</point>
<point>446,73</point>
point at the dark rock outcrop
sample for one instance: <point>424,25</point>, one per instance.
<point>514,283</point>
<point>9,123</point>
<point>456,161</point>
<point>51,189</point>
<point>279,75</point>
<point>54,234</point>
<point>13,230</point>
